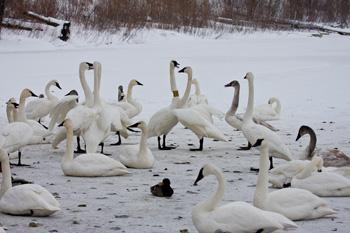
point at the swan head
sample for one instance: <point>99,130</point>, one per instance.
<point>72,92</point>
<point>67,123</point>
<point>55,83</point>
<point>233,83</point>
<point>86,66</point>
<point>187,70</point>
<point>11,103</point>
<point>140,124</point>
<point>174,64</point>
<point>260,142</point>
<point>249,76</point>
<point>134,82</point>
<point>206,170</point>
<point>318,162</point>
<point>304,129</point>
<point>27,93</point>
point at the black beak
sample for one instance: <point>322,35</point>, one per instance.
<point>91,66</point>
<point>15,105</point>
<point>176,64</point>
<point>228,85</point>
<point>199,177</point>
<point>245,77</point>
<point>319,170</point>
<point>134,125</point>
<point>299,136</point>
<point>258,142</point>
<point>72,92</point>
<point>138,83</point>
<point>58,86</point>
<point>182,70</point>
<point>34,95</point>
<point>60,125</point>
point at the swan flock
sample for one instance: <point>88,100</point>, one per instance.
<point>302,179</point>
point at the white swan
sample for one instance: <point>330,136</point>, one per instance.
<point>90,164</point>
<point>41,107</point>
<point>164,120</point>
<point>331,157</point>
<point>253,132</point>
<point>325,184</point>
<point>293,203</point>
<point>131,106</point>
<point>27,199</point>
<point>139,155</point>
<point>198,97</point>
<point>197,118</point>
<point>237,217</point>
<point>270,111</point>
<point>38,129</point>
<point>236,120</point>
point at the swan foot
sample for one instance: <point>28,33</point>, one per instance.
<point>119,142</point>
<point>287,185</point>
<point>164,147</point>
<point>102,146</point>
<point>79,150</point>
<point>253,169</point>
<point>20,164</point>
<point>271,163</point>
<point>200,146</point>
<point>19,181</point>
<point>245,147</point>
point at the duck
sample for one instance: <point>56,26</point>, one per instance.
<point>253,131</point>
<point>236,120</point>
<point>197,118</point>
<point>41,107</point>
<point>138,156</point>
<point>26,199</point>
<point>208,216</point>
<point>270,111</point>
<point>90,164</point>
<point>162,121</point>
<point>293,203</point>
<point>321,183</point>
<point>331,157</point>
<point>162,189</point>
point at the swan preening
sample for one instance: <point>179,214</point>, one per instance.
<point>27,199</point>
<point>331,157</point>
<point>269,111</point>
<point>293,203</point>
<point>239,217</point>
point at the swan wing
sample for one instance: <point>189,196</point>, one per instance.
<point>39,108</point>
<point>59,112</point>
<point>161,122</point>
<point>233,121</point>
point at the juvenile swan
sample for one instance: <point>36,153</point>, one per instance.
<point>237,217</point>
<point>294,203</point>
<point>26,199</point>
<point>91,164</point>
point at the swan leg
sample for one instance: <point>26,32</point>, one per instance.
<point>19,181</point>
<point>164,147</point>
<point>245,147</point>
<point>271,163</point>
<point>200,145</point>
<point>79,150</point>
<point>119,140</point>
<point>102,144</point>
<point>19,160</point>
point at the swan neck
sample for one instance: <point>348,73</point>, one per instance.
<point>143,141</point>
<point>9,113</point>
<point>235,101</point>
<point>49,95</point>
<point>214,201</point>
<point>186,95</point>
<point>307,171</point>
<point>129,93</point>
<point>21,116</point>
<point>97,81</point>
<point>68,156</point>
<point>278,105</point>
<point>173,86</point>
<point>86,88</point>
<point>250,106</point>
<point>312,143</point>
<point>6,183</point>
<point>198,89</point>
<point>261,190</point>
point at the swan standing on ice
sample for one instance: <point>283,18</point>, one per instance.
<point>164,120</point>
<point>253,131</point>
<point>322,183</point>
<point>293,203</point>
<point>270,111</point>
<point>139,155</point>
<point>41,107</point>
<point>237,217</point>
<point>197,118</point>
<point>27,199</point>
<point>331,157</point>
<point>90,164</point>
<point>236,120</point>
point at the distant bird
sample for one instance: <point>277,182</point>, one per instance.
<point>162,189</point>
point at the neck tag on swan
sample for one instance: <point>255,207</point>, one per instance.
<point>176,93</point>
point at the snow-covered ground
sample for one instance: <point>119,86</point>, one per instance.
<point>309,75</point>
